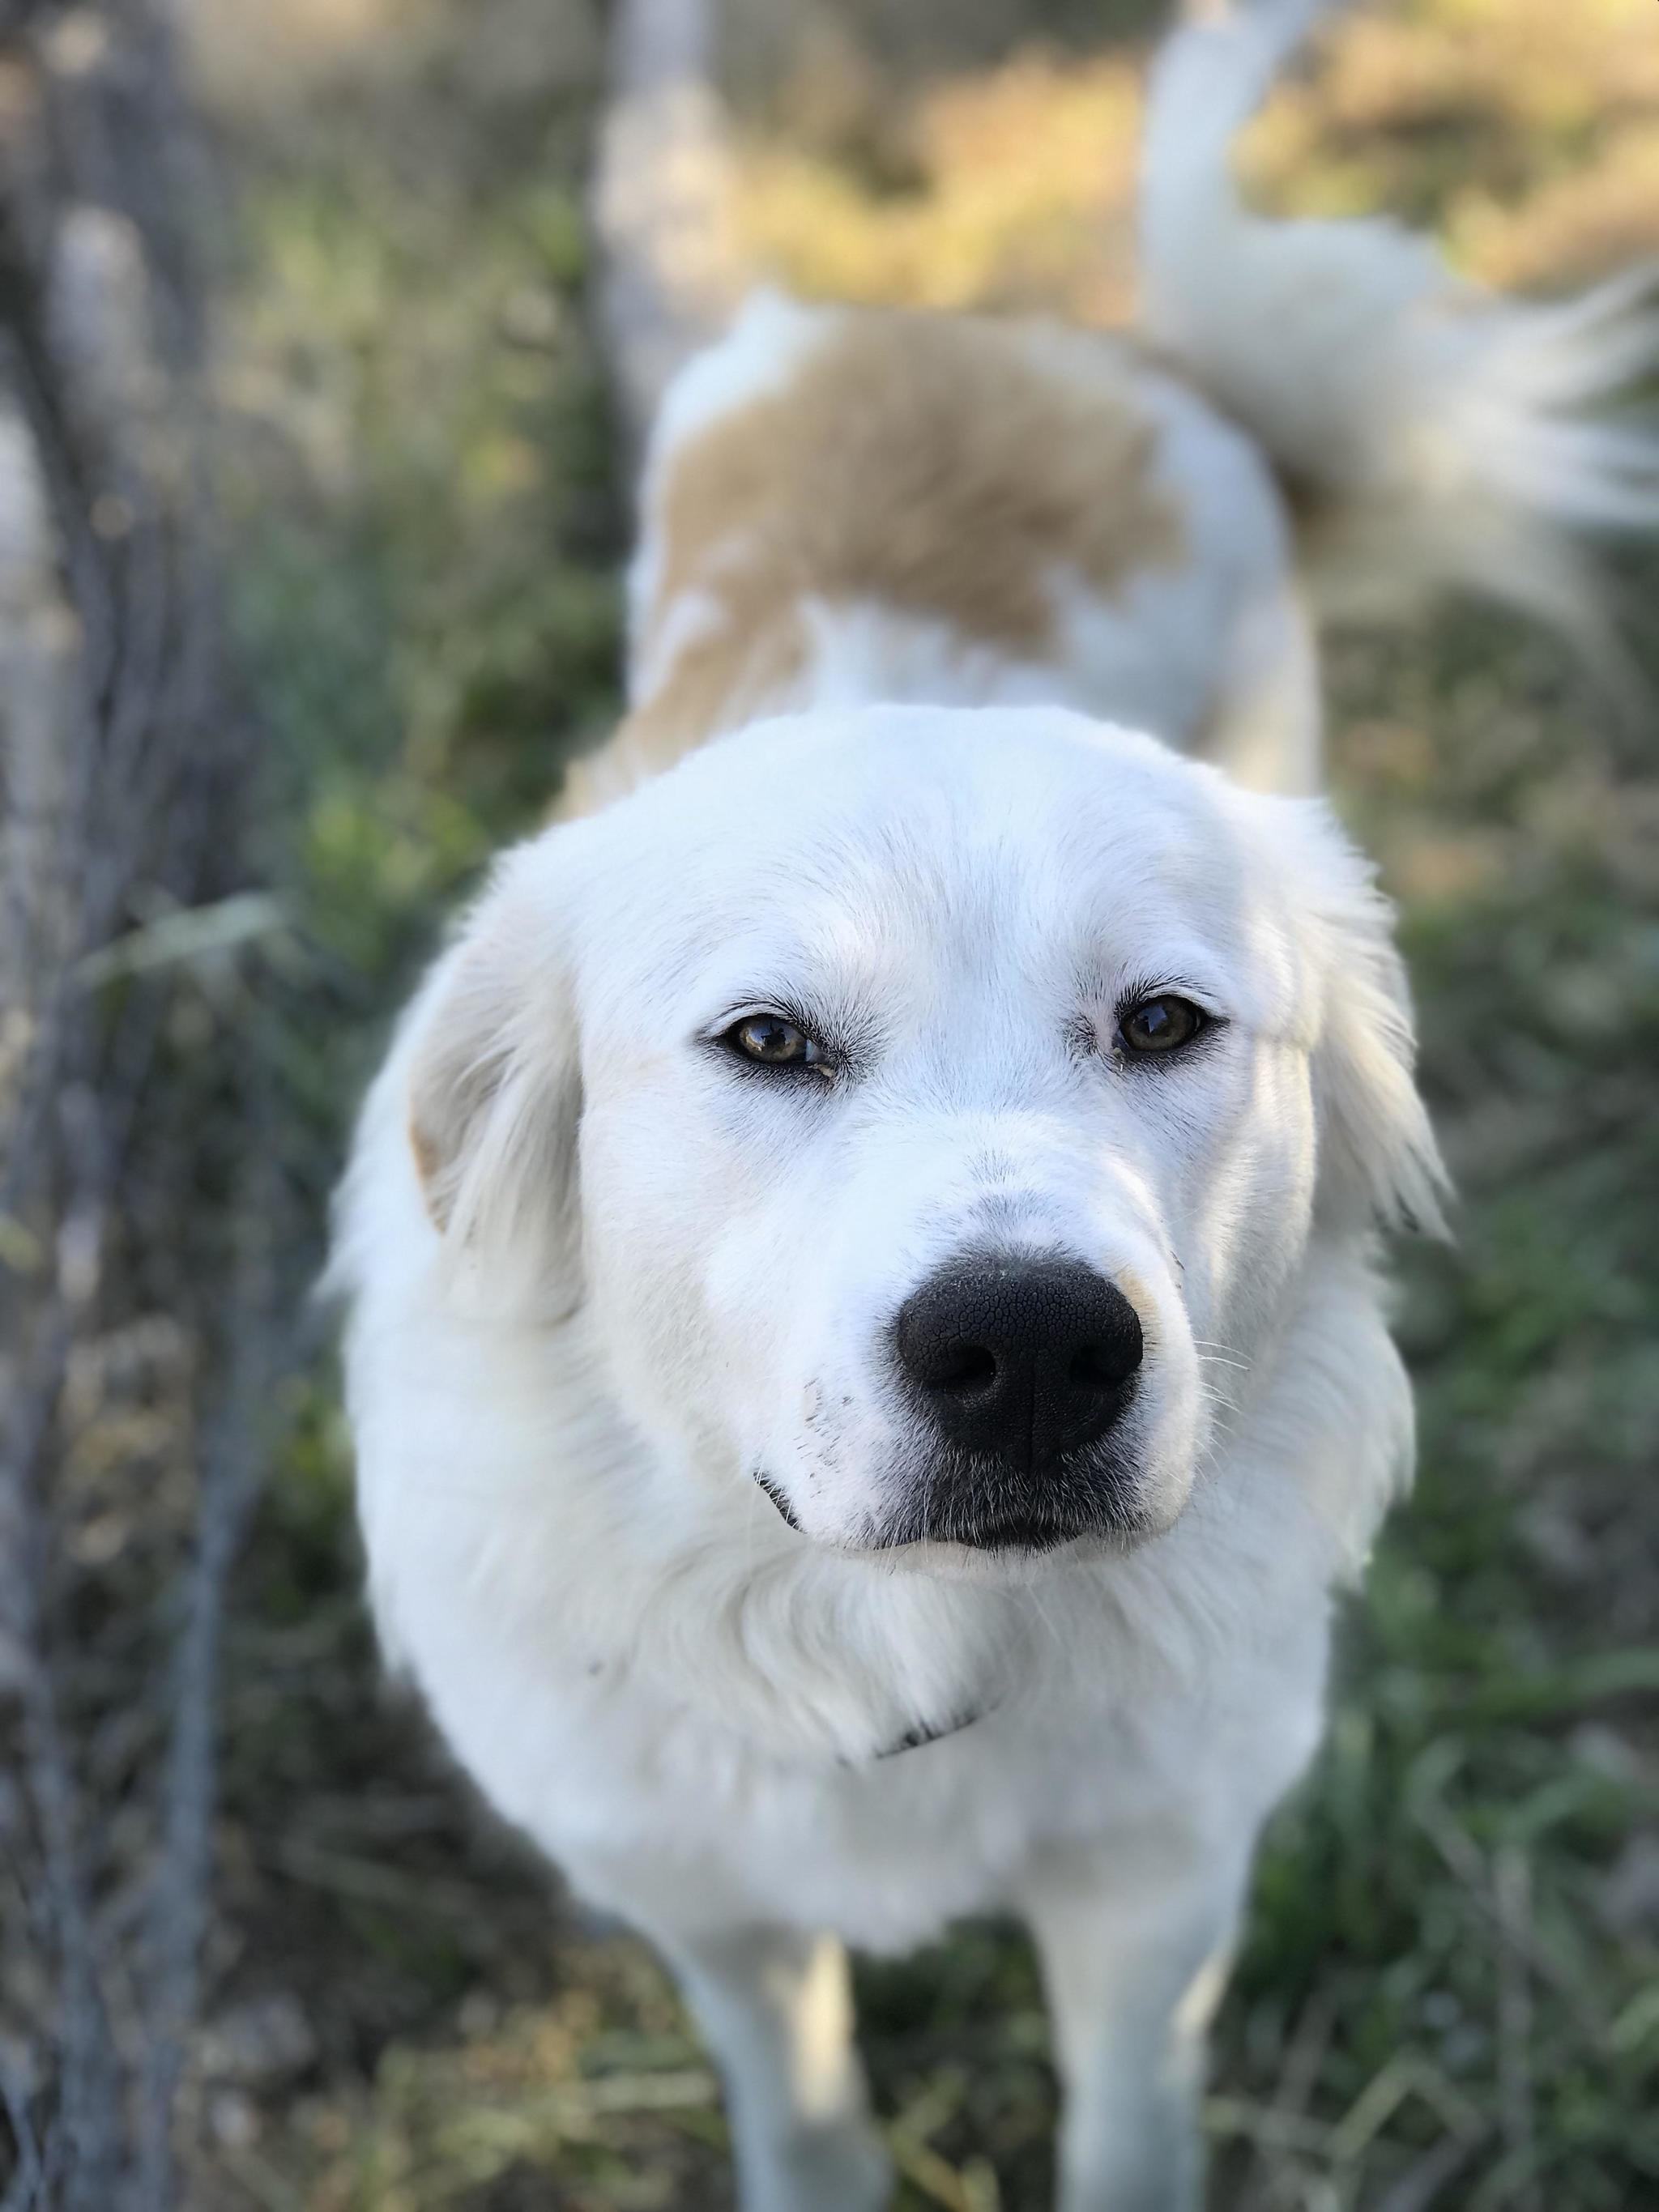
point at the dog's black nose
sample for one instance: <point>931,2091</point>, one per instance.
<point>1020,1361</point>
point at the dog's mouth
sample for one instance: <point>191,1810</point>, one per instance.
<point>958,1517</point>
<point>1021,1529</point>
<point>926,1732</point>
<point>971,1505</point>
<point>786,1511</point>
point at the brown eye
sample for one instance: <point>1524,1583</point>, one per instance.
<point>1158,1025</point>
<point>771,1041</point>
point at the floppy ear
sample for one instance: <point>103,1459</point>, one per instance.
<point>495,1098</point>
<point>1378,1158</point>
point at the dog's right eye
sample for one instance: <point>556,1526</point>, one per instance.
<point>771,1040</point>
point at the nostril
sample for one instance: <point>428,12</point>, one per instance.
<point>1104,1362</point>
<point>963,1368</point>
<point>1092,1368</point>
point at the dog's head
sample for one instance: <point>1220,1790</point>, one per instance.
<point>931,1111</point>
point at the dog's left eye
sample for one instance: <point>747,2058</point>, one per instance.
<point>1160,1025</point>
<point>770,1041</point>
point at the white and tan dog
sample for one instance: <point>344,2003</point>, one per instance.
<point>866,1351</point>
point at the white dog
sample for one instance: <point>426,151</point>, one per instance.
<point>866,1353</point>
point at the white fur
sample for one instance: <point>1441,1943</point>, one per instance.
<point>684,1699</point>
<point>638,1274</point>
<point>1175,649</point>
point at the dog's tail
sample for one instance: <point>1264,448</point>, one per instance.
<point>1432,436</point>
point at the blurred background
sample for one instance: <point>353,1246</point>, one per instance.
<point>311,515</point>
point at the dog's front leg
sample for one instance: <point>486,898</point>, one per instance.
<point>776,2008</point>
<point>1134,1957</point>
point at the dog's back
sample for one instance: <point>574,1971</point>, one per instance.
<point>1315,419</point>
<point>840,504</point>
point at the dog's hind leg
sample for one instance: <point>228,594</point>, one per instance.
<point>1266,727</point>
<point>1134,1957</point>
<point>776,2008</point>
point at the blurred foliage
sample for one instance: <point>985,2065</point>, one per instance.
<point>1446,1996</point>
<point>1528,133</point>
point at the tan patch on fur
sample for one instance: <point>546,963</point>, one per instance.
<point>1137,1292</point>
<point>715,684</point>
<point>426,1166</point>
<point>940,466</point>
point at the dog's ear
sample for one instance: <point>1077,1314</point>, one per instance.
<point>1378,1159</point>
<point>495,1098</point>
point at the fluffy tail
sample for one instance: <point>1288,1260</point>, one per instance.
<point>1433,436</point>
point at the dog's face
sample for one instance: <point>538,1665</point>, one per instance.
<point>931,1109</point>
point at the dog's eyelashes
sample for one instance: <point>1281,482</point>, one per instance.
<point>1149,1028</point>
<point>772,1041</point>
<point>1158,1025</point>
